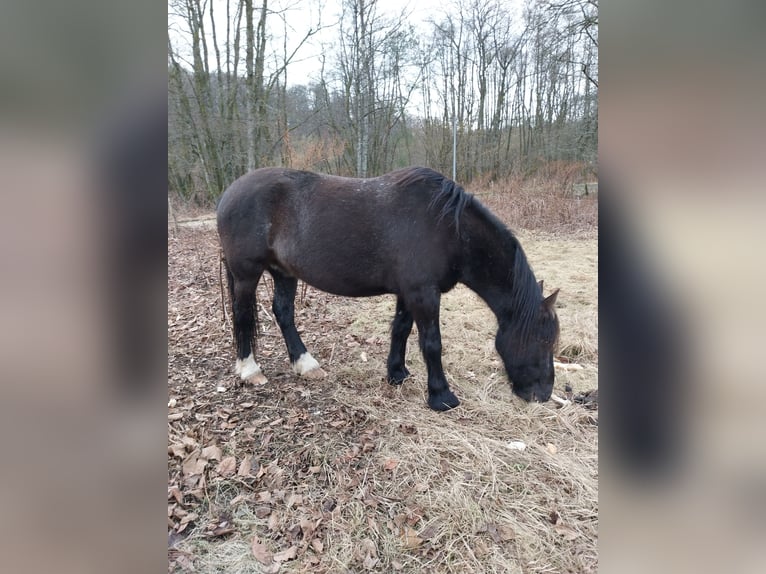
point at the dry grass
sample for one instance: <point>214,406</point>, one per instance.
<point>349,474</point>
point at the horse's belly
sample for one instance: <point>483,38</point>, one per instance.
<point>346,286</point>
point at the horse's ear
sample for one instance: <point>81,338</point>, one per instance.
<point>550,300</point>
<point>540,283</point>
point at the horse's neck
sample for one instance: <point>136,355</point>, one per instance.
<point>489,254</point>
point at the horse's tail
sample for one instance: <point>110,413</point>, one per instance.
<point>230,284</point>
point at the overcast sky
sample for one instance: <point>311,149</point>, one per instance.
<point>302,15</point>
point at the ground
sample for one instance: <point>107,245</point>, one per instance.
<point>350,474</point>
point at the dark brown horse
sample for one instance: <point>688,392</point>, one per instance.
<point>413,233</point>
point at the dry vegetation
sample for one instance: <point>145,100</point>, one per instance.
<point>349,474</point>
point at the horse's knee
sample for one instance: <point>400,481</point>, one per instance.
<point>432,347</point>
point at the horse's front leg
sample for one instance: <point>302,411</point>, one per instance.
<point>424,305</point>
<point>284,311</point>
<point>401,327</point>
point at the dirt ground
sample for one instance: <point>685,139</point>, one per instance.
<point>350,474</point>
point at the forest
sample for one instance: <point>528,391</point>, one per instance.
<point>482,89</point>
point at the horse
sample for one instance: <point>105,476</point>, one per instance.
<point>413,233</point>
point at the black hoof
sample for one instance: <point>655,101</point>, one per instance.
<point>397,376</point>
<point>443,401</point>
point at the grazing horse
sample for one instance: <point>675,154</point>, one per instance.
<point>413,233</point>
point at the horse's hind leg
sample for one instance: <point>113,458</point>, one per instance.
<point>400,331</point>
<point>284,311</point>
<point>243,307</point>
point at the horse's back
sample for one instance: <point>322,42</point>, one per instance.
<point>343,235</point>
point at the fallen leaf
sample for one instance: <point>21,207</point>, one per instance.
<point>221,531</point>
<point>262,511</point>
<point>390,464</point>
<point>307,528</point>
<point>261,552</point>
<point>410,538</point>
<point>227,466</point>
<point>317,545</point>
<point>193,464</point>
<point>286,555</point>
<point>506,532</point>
<point>175,492</point>
<point>429,531</point>
<point>500,532</point>
<point>245,466</point>
<point>480,548</point>
<point>177,449</point>
<point>565,531</point>
<point>212,452</point>
<point>274,521</point>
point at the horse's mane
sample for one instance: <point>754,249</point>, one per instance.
<point>450,198</point>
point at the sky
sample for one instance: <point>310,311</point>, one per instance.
<point>302,15</point>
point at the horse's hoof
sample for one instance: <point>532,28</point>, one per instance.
<point>256,380</point>
<point>398,377</point>
<point>318,373</point>
<point>307,366</point>
<point>443,401</point>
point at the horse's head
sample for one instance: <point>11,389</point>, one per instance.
<point>527,351</point>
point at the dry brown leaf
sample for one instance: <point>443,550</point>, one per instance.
<point>286,555</point>
<point>565,531</point>
<point>390,464</point>
<point>261,552</point>
<point>262,511</point>
<point>294,500</point>
<point>500,532</point>
<point>317,545</point>
<point>245,465</point>
<point>175,492</point>
<point>177,449</point>
<point>307,528</point>
<point>506,532</point>
<point>212,452</point>
<point>429,531</point>
<point>193,464</point>
<point>221,531</point>
<point>274,521</point>
<point>480,548</point>
<point>227,466</point>
<point>410,538</point>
